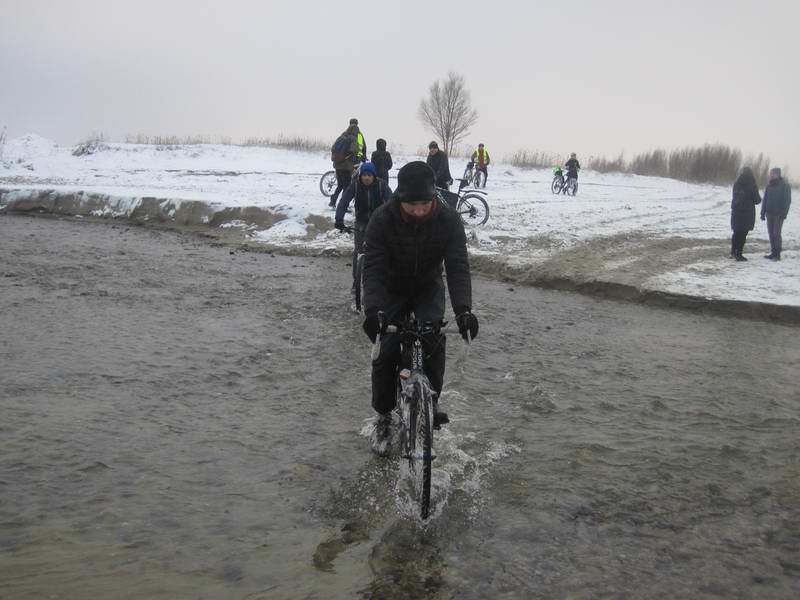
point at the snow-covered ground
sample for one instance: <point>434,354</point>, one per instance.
<point>651,233</point>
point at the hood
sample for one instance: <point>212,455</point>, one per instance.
<point>380,144</point>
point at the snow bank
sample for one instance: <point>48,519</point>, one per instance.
<point>643,232</point>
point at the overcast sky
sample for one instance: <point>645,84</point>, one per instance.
<point>592,77</point>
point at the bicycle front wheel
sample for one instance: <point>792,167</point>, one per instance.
<point>555,187</point>
<point>327,183</point>
<point>473,210</point>
<point>425,440</point>
<point>480,179</point>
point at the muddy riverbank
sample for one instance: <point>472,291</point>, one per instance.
<point>184,419</point>
<point>619,267</point>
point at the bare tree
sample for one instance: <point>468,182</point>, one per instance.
<point>447,111</point>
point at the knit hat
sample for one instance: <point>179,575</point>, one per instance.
<point>368,168</point>
<point>353,121</point>
<point>433,145</point>
<point>415,183</point>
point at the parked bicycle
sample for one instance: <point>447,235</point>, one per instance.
<point>415,404</point>
<point>471,205</point>
<point>561,184</point>
<point>327,183</point>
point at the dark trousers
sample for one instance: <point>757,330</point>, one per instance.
<point>737,242</point>
<point>485,172</point>
<point>774,227</point>
<point>427,306</point>
<point>359,233</point>
<point>343,178</point>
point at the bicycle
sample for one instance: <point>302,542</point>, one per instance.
<point>471,205</point>
<point>567,185</point>
<point>415,403</point>
<point>328,183</point>
<point>358,304</point>
<point>469,173</point>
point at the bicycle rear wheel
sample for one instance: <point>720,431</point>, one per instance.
<point>473,209</point>
<point>327,183</point>
<point>571,187</point>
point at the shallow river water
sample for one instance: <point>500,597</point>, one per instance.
<point>179,420</point>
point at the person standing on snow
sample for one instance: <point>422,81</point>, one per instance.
<point>361,149</point>
<point>573,166</point>
<point>438,161</point>
<point>343,156</point>
<point>743,210</point>
<point>382,160</point>
<point>777,199</point>
<point>481,159</point>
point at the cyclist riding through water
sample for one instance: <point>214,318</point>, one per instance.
<point>408,240</point>
<point>369,193</point>
<point>481,159</point>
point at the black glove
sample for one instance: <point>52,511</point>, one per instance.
<point>467,322</point>
<point>763,217</point>
<point>339,225</point>
<point>374,324</point>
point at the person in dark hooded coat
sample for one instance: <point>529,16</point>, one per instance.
<point>438,161</point>
<point>382,160</point>
<point>743,210</point>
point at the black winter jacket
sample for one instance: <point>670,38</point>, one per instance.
<point>383,162</point>
<point>404,257</point>
<point>441,166</point>
<point>743,204</point>
<point>368,199</point>
<point>777,199</point>
<point>573,166</point>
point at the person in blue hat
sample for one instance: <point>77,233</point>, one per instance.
<point>369,192</point>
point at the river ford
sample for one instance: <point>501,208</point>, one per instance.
<point>180,419</point>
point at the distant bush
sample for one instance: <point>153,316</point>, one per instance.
<point>711,163</point>
<point>174,140</point>
<point>532,159</point>
<point>95,142</point>
<point>289,142</point>
<point>602,164</point>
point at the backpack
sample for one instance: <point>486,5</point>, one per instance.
<point>341,149</point>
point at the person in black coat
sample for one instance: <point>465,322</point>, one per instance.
<point>382,160</point>
<point>369,193</point>
<point>409,239</point>
<point>743,210</point>
<point>573,166</point>
<point>438,161</point>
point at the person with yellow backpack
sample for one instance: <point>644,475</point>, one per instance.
<point>481,160</point>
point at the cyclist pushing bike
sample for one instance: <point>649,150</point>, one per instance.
<point>573,166</point>
<point>481,160</point>
<point>369,193</point>
<point>408,240</point>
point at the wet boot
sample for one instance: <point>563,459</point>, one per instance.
<point>740,258</point>
<point>382,436</point>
